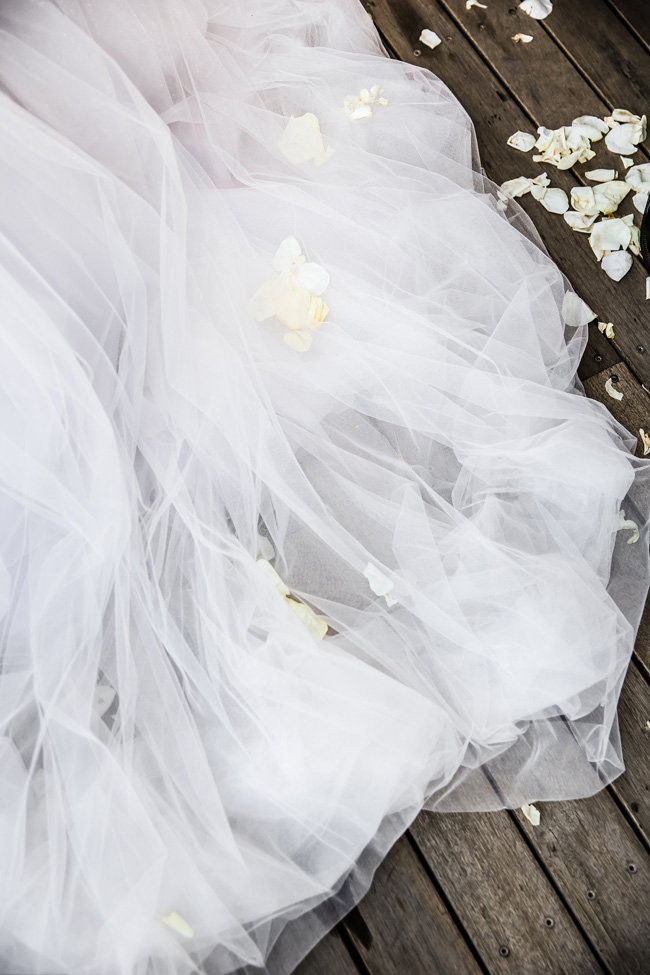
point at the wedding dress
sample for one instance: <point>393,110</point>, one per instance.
<point>306,522</point>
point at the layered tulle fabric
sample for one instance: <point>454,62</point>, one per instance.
<point>261,605</point>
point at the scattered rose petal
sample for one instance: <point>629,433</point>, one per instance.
<point>622,115</point>
<point>475,3</point>
<point>522,38</point>
<point>591,126</point>
<point>634,246</point>
<point>645,440</point>
<point>380,584</point>
<point>617,264</point>
<point>430,38</point>
<point>639,176</point>
<point>361,106</point>
<point>539,9</point>
<point>313,278</point>
<point>611,390</point>
<point>531,813</point>
<point>625,524</point>
<point>302,141</point>
<point>583,200</point>
<point>575,311</point>
<point>627,162</point>
<point>601,175</point>
<point>608,196</point>
<point>523,141</point>
<point>640,201</point>
<point>294,297</point>
<point>288,253</point>
<point>607,328</point>
<point>609,235</point>
<point>624,137</point>
<point>298,340</point>
<point>104,697</point>
<point>581,222</point>
<point>555,200</point>
<point>265,547</point>
<point>314,624</point>
<point>178,924</point>
<point>647,288</point>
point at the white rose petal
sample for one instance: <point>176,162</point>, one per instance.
<point>539,9</point>
<point>178,924</point>
<point>273,576</point>
<point>608,196</point>
<point>609,235</point>
<point>555,200</point>
<point>580,222</point>
<point>302,141</point>
<point>601,175</point>
<point>638,176</point>
<point>299,340</point>
<point>627,162</point>
<point>522,38</point>
<point>575,311</point>
<point>430,38</point>
<point>634,246</point>
<point>611,390</point>
<point>591,126</point>
<point>523,141</point>
<point>640,201</point>
<point>626,524</point>
<point>607,328</point>
<point>583,200</point>
<point>288,253</point>
<point>624,138</point>
<point>622,115</point>
<point>380,584</point>
<point>645,440</point>
<point>361,106</point>
<point>516,187</point>
<point>647,288</point>
<point>313,278</point>
<point>475,3</point>
<point>531,813</point>
<point>313,623</point>
<point>616,264</point>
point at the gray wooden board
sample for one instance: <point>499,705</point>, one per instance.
<point>329,957</point>
<point>501,895</point>
<point>602,869</point>
<point>633,787</point>
<point>402,925</point>
<point>636,15</point>
<point>466,68</point>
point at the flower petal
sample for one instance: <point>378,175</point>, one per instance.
<point>616,264</point>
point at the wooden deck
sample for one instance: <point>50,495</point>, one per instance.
<point>488,892</point>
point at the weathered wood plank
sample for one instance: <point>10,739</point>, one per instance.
<point>328,957</point>
<point>602,868</point>
<point>501,895</point>
<point>633,787</point>
<point>636,14</point>
<point>606,51</point>
<point>496,116</point>
<point>402,924</point>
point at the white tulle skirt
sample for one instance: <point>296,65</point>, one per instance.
<point>306,523</point>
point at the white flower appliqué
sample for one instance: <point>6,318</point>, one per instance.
<point>361,105</point>
<point>294,297</point>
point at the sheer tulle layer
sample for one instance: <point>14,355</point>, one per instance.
<point>191,780</point>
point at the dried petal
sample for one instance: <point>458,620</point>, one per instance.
<point>313,278</point>
<point>531,813</point>
<point>581,222</point>
<point>539,9</point>
<point>607,328</point>
<point>611,390</point>
<point>361,105</point>
<point>522,140</point>
<point>272,575</point>
<point>634,246</point>
<point>313,623</point>
<point>591,126</point>
<point>302,141</point>
<point>178,924</point>
<point>627,162</point>
<point>583,200</point>
<point>645,440</point>
<point>640,201</point>
<point>288,253</point>
<point>609,235</point>
<point>639,176</point>
<point>626,524</point>
<point>298,340</point>
<point>380,584</point>
<point>522,38</point>
<point>623,115</point>
<point>617,264</point>
<point>647,288</point>
<point>516,187</point>
<point>430,38</point>
<point>624,138</point>
<point>601,175</point>
<point>475,3</point>
<point>608,196</point>
<point>555,200</point>
<point>575,311</point>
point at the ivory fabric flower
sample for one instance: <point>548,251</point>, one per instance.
<point>361,105</point>
<point>294,297</point>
